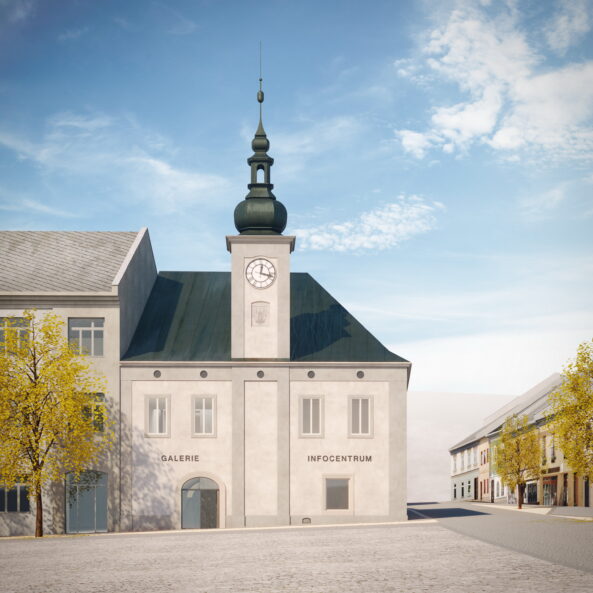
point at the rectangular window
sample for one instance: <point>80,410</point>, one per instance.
<point>337,494</point>
<point>86,335</point>
<point>97,412</point>
<point>15,500</point>
<point>311,421</point>
<point>19,326</point>
<point>157,416</point>
<point>204,415</point>
<point>360,416</point>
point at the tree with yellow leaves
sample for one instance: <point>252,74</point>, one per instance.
<point>517,454</point>
<point>572,411</point>
<point>50,420</point>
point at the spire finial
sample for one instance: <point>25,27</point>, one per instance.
<point>260,93</point>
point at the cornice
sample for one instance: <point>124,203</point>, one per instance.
<point>32,299</point>
<point>257,239</point>
<point>262,363</point>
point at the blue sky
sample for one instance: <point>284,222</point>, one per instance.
<point>434,157</point>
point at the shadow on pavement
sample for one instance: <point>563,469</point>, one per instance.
<point>442,513</point>
<point>415,504</point>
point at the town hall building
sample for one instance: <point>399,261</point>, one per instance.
<point>242,398</point>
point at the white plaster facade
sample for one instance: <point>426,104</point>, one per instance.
<point>268,472</point>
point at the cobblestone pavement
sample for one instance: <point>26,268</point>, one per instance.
<point>418,556</point>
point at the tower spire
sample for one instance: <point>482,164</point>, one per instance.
<point>260,213</point>
<point>260,93</point>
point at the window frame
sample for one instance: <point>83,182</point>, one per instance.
<point>15,323</point>
<point>99,401</point>
<point>78,341</point>
<point>18,487</point>
<point>202,435</point>
<point>311,435</point>
<point>350,480</point>
<point>361,435</point>
<point>157,435</point>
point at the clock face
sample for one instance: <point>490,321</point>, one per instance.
<point>260,273</point>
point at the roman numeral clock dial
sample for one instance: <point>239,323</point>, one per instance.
<point>260,273</point>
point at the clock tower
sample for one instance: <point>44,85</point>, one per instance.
<point>260,276</point>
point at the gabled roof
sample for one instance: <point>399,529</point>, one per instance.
<point>188,318</point>
<point>532,403</point>
<point>61,261</point>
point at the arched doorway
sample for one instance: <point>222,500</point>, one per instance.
<point>86,502</point>
<point>199,504</point>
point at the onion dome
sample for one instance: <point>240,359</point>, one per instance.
<point>260,213</point>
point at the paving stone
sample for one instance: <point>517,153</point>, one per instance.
<point>414,557</point>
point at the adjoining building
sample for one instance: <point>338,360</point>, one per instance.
<point>248,398</point>
<point>558,485</point>
<point>98,283</point>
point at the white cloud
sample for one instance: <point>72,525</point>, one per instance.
<point>571,22</point>
<point>542,205</point>
<point>512,99</point>
<point>123,23</point>
<point>175,187</point>
<point>72,34</point>
<point>377,229</point>
<point>415,142</point>
<point>92,122</point>
<point>296,148</point>
<point>23,147</point>
<point>178,24</point>
<point>28,205</point>
<point>318,137</point>
<point>136,162</point>
<point>17,11</point>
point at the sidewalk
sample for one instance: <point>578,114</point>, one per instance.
<point>574,512</point>
<point>585,513</point>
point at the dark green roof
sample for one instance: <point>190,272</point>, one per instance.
<point>188,317</point>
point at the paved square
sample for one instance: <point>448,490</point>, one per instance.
<point>418,556</point>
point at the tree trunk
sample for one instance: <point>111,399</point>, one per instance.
<point>521,490</point>
<point>39,515</point>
